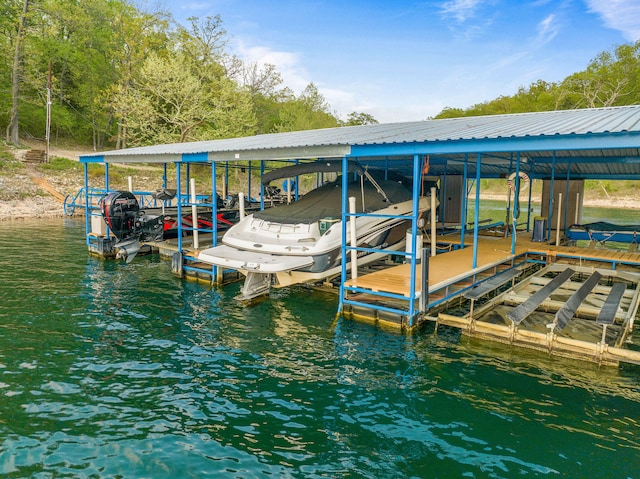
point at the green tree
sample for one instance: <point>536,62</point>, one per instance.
<point>357,118</point>
<point>16,67</point>
<point>169,103</point>
<point>308,111</point>
<point>612,78</point>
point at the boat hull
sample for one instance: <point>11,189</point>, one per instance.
<point>288,253</point>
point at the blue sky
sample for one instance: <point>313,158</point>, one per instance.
<point>404,60</point>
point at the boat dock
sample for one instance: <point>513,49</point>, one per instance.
<point>546,294</point>
<point>564,300</point>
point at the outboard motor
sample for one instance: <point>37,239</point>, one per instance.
<point>121,212</point>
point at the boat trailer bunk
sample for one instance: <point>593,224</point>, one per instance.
<point>564,310</point>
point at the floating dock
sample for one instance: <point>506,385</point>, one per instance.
<point>542,292</point>
<point>563,300</point>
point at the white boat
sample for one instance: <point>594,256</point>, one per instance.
<point>301,242</point>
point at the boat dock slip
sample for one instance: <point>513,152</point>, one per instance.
<point>529,306</point>
<point>454,267</point>
<point>577,312</point>
<point>576,306</point>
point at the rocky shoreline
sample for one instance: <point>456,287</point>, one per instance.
<point>45,206</point>
<point>21,198</point>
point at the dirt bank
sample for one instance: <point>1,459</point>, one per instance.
<point>22,197</point>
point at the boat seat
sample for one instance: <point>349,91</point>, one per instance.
<point>164,194</point>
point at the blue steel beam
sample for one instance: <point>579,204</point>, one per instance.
<point>516,200</point>
<point>600,141</point>
<point>417,181</point>
<point>179,213</point>
<point>465,201</point>
<point>343,247</point>
<point>476,215</point>
<point>87,225</point>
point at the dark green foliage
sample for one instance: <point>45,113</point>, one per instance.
<point>122,77</point>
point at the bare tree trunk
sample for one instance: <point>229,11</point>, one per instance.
<point>119,137</point>
<point>13,132</point>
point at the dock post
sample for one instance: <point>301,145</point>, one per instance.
<point>353,237</point>
<point>433,222</point>
<point>194,215</point>
<point>176,264</point>
<point>558,222</point>
<point>241,204</point>
<point>424,289</point>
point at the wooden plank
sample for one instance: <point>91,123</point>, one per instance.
<point>525,309</point>
<point>610,307</point>
<point>571,306</point>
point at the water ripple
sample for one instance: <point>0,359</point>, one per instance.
<point>114,370</point>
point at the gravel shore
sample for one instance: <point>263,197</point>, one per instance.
<point>21,198</point>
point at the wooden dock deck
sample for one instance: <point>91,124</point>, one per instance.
<point>457,265</point>
<point>444,269</point>
<point>588,279</point>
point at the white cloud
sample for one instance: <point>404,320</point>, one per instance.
<point>547,29</point>
<point>621,15</point>
<point>287,63</point>
<point>296,77</point>
<point>461,10</point>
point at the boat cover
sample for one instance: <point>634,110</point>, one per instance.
<point>607,227</point>
<point>325,166</point>
<point>232,258</point>
<point>604,231</point>
<point>326,202</point>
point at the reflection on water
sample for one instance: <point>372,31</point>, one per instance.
<point>114,370</point>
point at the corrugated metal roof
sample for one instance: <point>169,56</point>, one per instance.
<point>538,132</point>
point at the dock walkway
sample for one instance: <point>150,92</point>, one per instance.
<point>456,265</point>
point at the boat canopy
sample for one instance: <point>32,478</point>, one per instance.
<point>323,166</point>
<point>326,202</point>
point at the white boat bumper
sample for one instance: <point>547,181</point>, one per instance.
<point>232,258</point>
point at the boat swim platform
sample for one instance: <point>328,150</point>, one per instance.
<point>599,275</point>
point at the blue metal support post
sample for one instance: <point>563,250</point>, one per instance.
<point>465,200</point>
<point>179,198</point>
<point>261,185</point>
<point>566,198</point>
<point>87,225</point>
<point>417,180</point>
<point>214,216</point>
<point>476,214</point>
<point>515,210</point>
<point>551,193</point>
<point>343,247</point>
<point>529,200</point>
<point>443,195</point>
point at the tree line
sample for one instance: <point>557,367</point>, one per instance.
<point>612,78</point>
<point>114,75</point>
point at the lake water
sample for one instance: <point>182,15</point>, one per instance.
<point>496,210</point>
<point>110,370</point>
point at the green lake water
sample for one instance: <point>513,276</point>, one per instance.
<point>110,370</point>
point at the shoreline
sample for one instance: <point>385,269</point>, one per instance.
<point>34,207</point>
